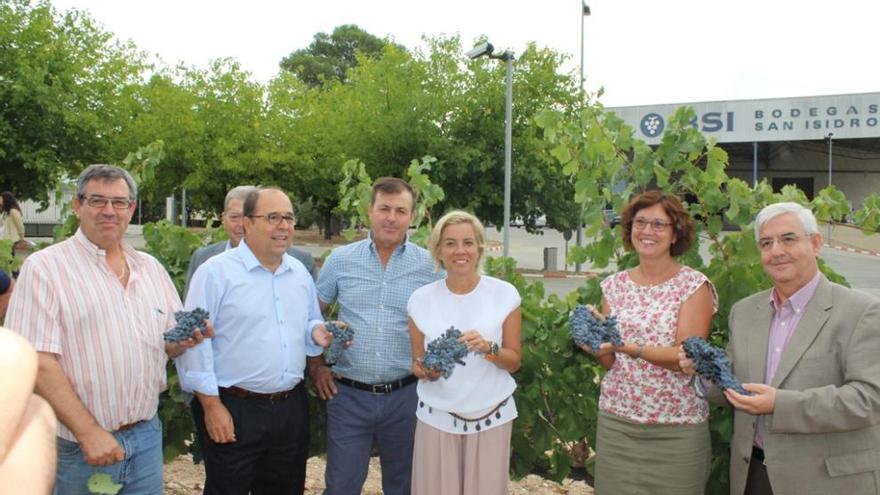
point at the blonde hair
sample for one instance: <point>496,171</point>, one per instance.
<point>454,218</point>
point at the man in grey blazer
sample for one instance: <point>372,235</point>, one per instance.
<point>233,209</point>
<point>808,350</point>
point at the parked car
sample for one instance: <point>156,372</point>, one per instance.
<point>612,217</point>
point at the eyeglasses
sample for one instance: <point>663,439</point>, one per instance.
<point>786,240</point>
<point>101,202</point>
<point>276,218</point>
<point>656,225</point>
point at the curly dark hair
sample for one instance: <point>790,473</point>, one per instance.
<point>682,225</point>
<point>9,202</point>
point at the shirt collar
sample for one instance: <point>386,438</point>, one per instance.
<point>401,247</point>
<point>251,262</point>
<point>799,299</point>
<point>92,249</point>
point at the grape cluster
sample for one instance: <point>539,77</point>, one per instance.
<point>187,323</point>
<point>444,352</point>
<point>341,337</point>
<point>711,363</point>
<point>589,330</point>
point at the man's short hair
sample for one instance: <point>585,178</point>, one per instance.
<point>103,172</point>
<point>250,201</point>
<point>238,192</point>
<point>392,185</point>
<point>804,214</point>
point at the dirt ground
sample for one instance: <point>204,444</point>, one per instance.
<point>182,477</point>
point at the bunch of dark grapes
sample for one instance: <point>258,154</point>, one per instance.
<point>711,363</point>
<point>341,337</point>
<point>187,323</point>
<point>444,352</point>
<point>592,331</point>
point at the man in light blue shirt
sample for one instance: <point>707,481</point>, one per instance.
<point>252,410</point>
<point>371,393</point>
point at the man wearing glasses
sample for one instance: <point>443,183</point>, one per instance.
<point>807,351</point>
<point>95,310</point>
<point>252,408</point>
<point>233,215</point>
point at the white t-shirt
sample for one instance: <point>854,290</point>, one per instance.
<point>479,388</point>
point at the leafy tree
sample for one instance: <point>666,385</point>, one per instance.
<point>64,87</point>
<point>330,57</point>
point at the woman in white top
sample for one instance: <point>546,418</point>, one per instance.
<point>462,443</point>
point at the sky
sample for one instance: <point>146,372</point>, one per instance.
<point>641,52</point>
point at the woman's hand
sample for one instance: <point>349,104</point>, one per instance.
<point>475,342</point>
<point>605,349</point>
<point>423,373</point>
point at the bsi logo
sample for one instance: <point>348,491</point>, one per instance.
<point>652,125</point>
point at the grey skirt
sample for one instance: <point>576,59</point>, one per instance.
<point>651,459</point>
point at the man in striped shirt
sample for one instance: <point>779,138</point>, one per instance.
<point>95,310</point>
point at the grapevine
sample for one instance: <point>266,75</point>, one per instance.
<point>444,352</point>
<point>712,364</point>
<point>342,336</point>
<point>587,329</point>
<point>187,323</point>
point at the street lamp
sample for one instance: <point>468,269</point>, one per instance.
<point>830,137</point>
<point>585,11</point>
<point>486,49</point>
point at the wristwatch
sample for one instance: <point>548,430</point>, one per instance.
<point>492,355</point>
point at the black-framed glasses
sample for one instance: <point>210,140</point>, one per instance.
<point>786,240</point>
<point>657,225</point>
<point>101,202</point>
<point>276,218</point>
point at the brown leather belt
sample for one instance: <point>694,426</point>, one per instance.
<point>247,394</point>
<point>377,388</point>
<point>128,426</point>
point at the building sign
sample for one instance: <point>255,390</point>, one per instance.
<point>781,119</point>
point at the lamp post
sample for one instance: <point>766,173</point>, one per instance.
<point>830,144</point>
<point>585,11</point>
<point>486,49</point>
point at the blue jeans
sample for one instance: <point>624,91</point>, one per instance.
<point>357,418</point>
<point>139,473</point>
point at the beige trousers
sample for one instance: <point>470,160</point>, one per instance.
<point>450,464</point>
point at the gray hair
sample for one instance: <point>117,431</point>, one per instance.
<point>456,217</point>
<point>238,192</point>
<point>769,212</point>
<point>105,173</point>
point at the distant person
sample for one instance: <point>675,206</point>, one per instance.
<point>653,431</point>
<point>371,392</point>
<point>233,225</point>
<point>12,223</point>
<point>95,310</point>
<point>252,412</point>
<point>462,441</point>
<point>807,350</point>
<point>27,423</point>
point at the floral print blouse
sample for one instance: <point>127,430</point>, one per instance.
<point>634,389</point>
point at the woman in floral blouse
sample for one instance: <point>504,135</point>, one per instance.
<point>653,434</point>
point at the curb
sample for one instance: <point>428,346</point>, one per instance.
<point>849,249</point>
<point>581,276</point>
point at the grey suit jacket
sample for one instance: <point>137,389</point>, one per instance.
<point>824,434</point>
<point>202,254</point>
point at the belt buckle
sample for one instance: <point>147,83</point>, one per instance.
<point>381,388</point>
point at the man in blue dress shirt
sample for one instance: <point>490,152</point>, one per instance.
<point>251,409</point>
<point>371,393</point>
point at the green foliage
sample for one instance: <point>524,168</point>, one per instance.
<point>330,57</point>
<point>172,245</point>
<point>868,216</point>
<point>65,87</point>
<point>9,263</point>
<point>102,483</point>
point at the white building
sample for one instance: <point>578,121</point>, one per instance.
<point>805,141</point>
